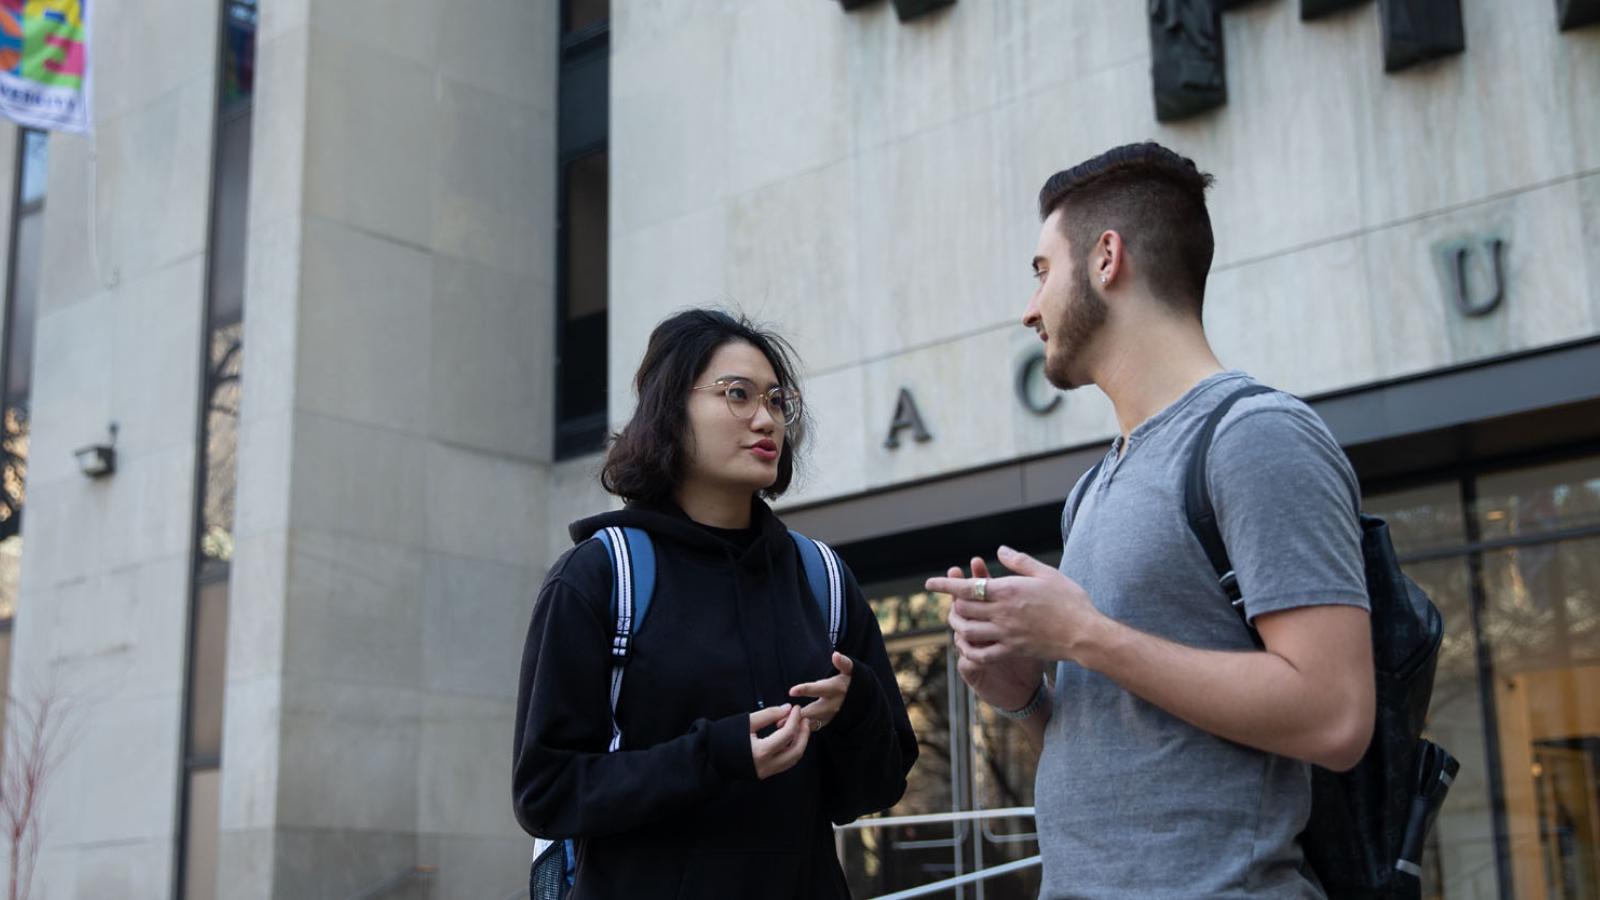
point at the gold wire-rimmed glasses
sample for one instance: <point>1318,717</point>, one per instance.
<point>741,393</point>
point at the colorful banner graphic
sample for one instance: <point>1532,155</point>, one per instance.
<point>44,63</point>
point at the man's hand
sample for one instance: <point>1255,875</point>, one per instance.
<point>829,694</point>
<point>1007,683</point>
<point>779,751</point>
<point>1038,613</point>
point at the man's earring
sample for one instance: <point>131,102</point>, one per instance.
<point>1102,279</point>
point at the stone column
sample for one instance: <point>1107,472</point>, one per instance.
<point>395,444</point>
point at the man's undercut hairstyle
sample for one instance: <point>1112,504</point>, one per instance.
<point>1152,197</point>
<point>648,458</point>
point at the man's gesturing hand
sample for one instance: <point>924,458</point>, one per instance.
<point>780,750</point>
<point>1007,683</point>
<point>1038,613</point>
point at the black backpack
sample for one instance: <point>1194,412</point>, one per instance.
<point>1367,827</point>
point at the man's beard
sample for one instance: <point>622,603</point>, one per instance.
<point>1083,317</point>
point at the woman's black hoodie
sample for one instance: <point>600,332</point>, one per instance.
<point>678,810</point>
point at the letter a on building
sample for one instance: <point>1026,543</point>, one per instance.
<point>44,64</point>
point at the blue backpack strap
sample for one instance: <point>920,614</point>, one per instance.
<point>633,585</point>
<point>643,554</point>
<point>825,576</point>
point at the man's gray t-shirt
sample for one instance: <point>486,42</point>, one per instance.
<point>1132,801</point>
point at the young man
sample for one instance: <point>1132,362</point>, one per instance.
<point>1175,753</point>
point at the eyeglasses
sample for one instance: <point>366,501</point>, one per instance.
<point>782,402</point>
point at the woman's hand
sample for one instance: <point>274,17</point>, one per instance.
<point>779,751</point>
<point>828,693</point>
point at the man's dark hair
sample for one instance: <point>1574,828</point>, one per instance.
<point>647,458</point>
<point>1156,200</point>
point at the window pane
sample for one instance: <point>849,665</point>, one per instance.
<point>231,206</point>
<point>1543,626</point>
<point>200,851</point>
<point>210,672</point>
<point>238,52</point>
<point>24,303</point>
<point>970,758</point>
<point>1460,856</point>
<point>586,235</point>
<point>581,394</point>
<point>222,444</point>
<point>13,477</point>
<point>35,166</point>
<point>1422,519</point>
<point>5,670</point>
<point>1540,499</point>
<point>584,13</point>
<point>22,307</point>
<point>880,860</point>
<point>902,606</point>
<point>1543,605</point>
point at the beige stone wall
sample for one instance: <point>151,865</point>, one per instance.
<point>396,445</point>
<point>869,187</point>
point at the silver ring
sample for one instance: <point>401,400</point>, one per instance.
<point>815,725</point>
<point>980,588</point>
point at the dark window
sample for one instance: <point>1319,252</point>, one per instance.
<point>16,373</point>
<point>582,15</point>
<point>582,398</point>
<point>217,476</point>
<point>581,304</point>
<point>28,221</point>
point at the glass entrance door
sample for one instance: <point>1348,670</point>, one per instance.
<point>970,759</point>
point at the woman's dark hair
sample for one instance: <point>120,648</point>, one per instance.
<point>646,460</point>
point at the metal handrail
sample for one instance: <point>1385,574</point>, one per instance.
<point>963,816</point>
<point>970,878</point>
<point>1009,812</point>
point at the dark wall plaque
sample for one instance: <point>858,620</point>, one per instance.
<point>1416,31</point>
<point>1186,62</point>
<point>906,10</point>
<point>1316,9</point>
<point>1578,13</point>
<point>911,9</point>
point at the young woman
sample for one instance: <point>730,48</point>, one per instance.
<point>743,732</point>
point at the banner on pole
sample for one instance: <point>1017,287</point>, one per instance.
<point>44,64</point>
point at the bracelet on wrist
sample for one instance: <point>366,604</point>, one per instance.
<point>1029,708</point>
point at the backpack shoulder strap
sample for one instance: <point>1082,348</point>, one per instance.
<point>633,585</point>
<point>1201,515</point>
<point>825,577</point>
